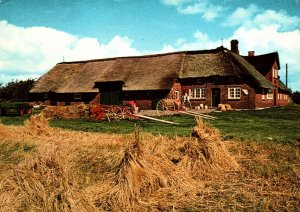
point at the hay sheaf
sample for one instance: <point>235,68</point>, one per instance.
<point>67,112</point>
<point>141,178</point>
<point>38,125</point>
<point>206,156</point>
<point>77,171</point>
<point>43,182</point>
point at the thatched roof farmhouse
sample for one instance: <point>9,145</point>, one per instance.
<point>208,77</point>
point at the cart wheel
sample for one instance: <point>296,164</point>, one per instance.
<point>165,107</point>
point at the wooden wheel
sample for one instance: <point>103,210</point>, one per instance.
<point>165,107</point>
<point>113,113</point>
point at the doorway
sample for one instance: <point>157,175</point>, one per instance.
<point>215,97</point>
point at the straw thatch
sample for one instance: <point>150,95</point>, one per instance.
<point>152,72</point>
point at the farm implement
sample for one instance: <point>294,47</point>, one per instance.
<point>165,107</point>
<point>113,112</point>
<point>15,108</point>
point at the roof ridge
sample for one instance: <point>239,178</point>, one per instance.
<point>148,55</point>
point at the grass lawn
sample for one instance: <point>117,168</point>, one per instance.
<point>275,124</point>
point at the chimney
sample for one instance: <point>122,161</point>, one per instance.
<point>251,53</point>
<point>235,46</point>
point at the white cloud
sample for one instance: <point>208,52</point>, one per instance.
<point>271,17</point>
<point>175,2</point>
<point>30,52</point>
<point>208,12</point>
<point>254,17</point>
<point>240,15</point>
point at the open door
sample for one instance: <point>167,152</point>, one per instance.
<point>110,92</point>
<point>111,97</point>
<point>215,97</point>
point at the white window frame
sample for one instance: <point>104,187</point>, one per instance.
<point>270,94</point>
<point>176,93</point>
<point>234,93</point>
<point>77,96</point>
<point>197,93</point>
<point>274,73</point>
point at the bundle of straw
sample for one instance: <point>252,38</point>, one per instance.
<point>43,182</point>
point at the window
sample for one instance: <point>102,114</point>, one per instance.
<point>234,93</point>
<point>45,96</point>
<point>77,96</point>
<point>263,94</point>
<point>278,96</point>
<point>198,93</point>
<point>274,73</point>
<point>176,95</point>
<point>270,94</point>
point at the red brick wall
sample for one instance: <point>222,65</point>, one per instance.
<point>283,99</point>
<point>176,87</point>
<point>246,101</point>
<point>260,103</point>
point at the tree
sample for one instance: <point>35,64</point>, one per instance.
<point>16,90</point>
<point>296,97</point>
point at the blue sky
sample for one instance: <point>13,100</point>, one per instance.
<point>37,34</point>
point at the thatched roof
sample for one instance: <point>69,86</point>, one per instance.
<point>250,71</point>
<point>57,78</point>
<point>152,72</point>
<point>282,86</point>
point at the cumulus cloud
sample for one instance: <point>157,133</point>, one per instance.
<point>30,52</point>
<point>252,16</point>
<point>241,15</point>
<point>208,11</point>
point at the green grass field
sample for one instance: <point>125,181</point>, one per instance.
<point>279,124</point>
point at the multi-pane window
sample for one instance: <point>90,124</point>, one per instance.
<point>234,93</point>
<point>77,96</point>
<point>198,93</point>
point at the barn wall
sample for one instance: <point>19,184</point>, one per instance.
<point>263,103</point>
<point>145,99</point>
<point>64,99</point>
<point>246,100</point>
